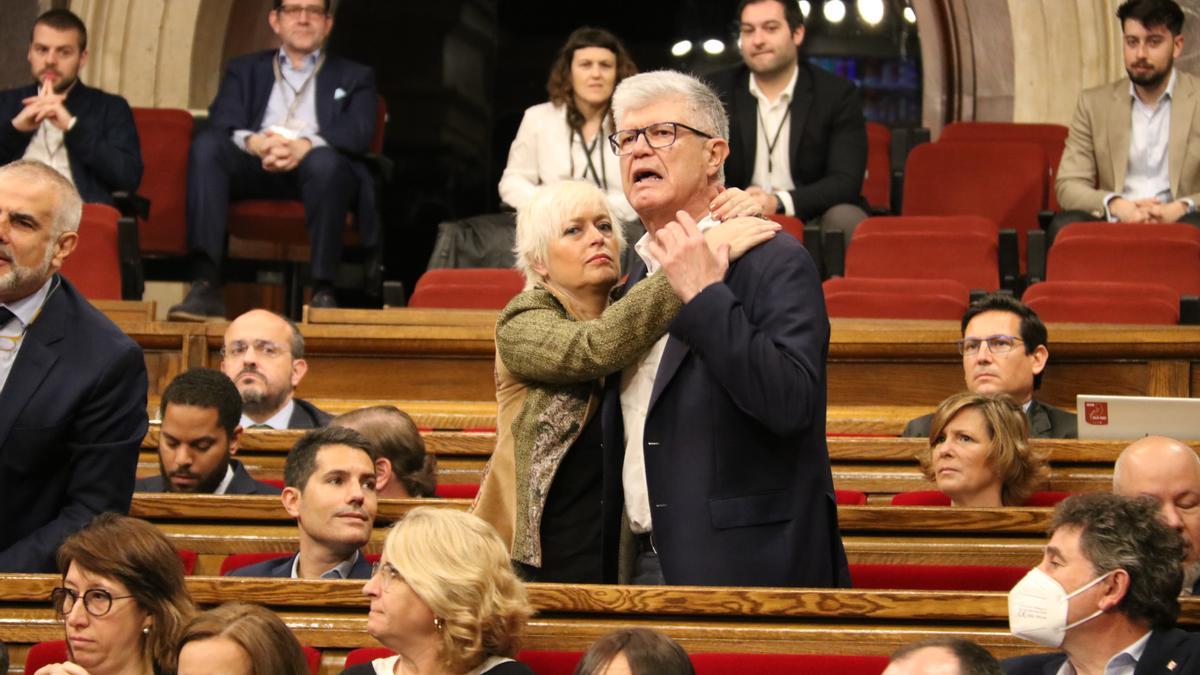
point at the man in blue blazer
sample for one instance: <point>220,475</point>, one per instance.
<point>286,124</point>
<point>715,441</point>
<point>329,487</point>
<point>86,134</point>
<point>72,385</point>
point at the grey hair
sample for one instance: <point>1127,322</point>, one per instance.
<point>68,205</point>
<point>297,341</point>
<point>1126,533</point>
<point>538,222</point>
<point>703,108</point>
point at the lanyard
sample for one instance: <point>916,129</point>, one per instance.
<point>296,93</point>
<point>599,178</point>
<point>772,142</point>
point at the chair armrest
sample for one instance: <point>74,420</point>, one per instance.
<point>812,243</point>
<point>878,211</point>
<point>132,204</point>
<point>834,245</point>
<point>1010,259</point>
<point>1044,217</point>
<point>1189,310</point>
<point>1035,250</point>
<point>129,252</point>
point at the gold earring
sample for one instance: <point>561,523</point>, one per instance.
<point>145,630</point>
<point>438,623</point>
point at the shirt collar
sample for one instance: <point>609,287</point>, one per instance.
<point>227,480</point>
<point>1168,94</point>
<point>280,420</point>
<point>309,61</point>
<point>338,571</point>
<point>784,96</point>
<point>1126,657</point>
<point>642,247</point>
<point>26,309</point>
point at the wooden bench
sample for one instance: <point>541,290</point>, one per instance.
<point>331,616</point>
<point>126,311</point>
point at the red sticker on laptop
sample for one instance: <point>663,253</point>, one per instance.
<point>1096,412</point>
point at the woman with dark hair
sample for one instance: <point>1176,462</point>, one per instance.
<point>123,602</point>
<point>564,138</point>
<point>635,651</point>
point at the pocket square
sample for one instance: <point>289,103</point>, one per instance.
<point>339,94</point>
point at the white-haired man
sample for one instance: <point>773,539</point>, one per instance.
<point>718,432</point>
<point>72,385</point>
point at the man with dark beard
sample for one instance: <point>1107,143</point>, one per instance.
<point>264,356</point>
<point>1126,158</point>
<point>198,438</point>
<point>86,134</point>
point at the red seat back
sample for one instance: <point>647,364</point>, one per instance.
<point>187,558</point>
<point>478,288</point>
<point>1103,302</point>
<point>1052,138</point>
<point>313,657</point>
<point>236,561</point>
<point>936,577</point>
<point>895,298</point>
<point>166,136</point>
<point>850,497</point>
<point>94,267</point>
<point>45,653</point>
<point>1167,231</point>
<point>366,655</point>
<point>1046,498</point>
<point>936,498</point>
<point>790,224</point>
<point>929,224</point>
<point>549,662</point>
<point>877,184</point>
<point>1175,264</point>
<point>969,258</point>
<point>457,491</point>
<point>786,664</point>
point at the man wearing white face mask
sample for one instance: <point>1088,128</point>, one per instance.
<point>1106,592</point>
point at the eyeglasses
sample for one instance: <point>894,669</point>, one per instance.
<point>658,135</point>
<point>996,344</point>
<point>294,11</point>
<point>96,601</point>
<point>265,348</point>
<point>387,571</point>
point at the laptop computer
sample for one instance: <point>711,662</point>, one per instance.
<point>1132,417</point>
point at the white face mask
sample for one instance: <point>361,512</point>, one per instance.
<point>1037,608</point>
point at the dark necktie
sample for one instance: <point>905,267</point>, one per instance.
<point>6,315</point>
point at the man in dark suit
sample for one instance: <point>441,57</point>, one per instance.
<point>715,440</point>
<point>286,124</point>
<point>1169,471</point>
<point>329,489</point>
<point>198,438</point>
<point>1004,351</point>
<point>1106,592</point>
<point>798,140</point>
<point>84,133</point>
<point>72,385</point>
<point>264,356</point>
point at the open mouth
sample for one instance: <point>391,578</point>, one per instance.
<point>646,176</point>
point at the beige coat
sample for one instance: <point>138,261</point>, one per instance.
<point>1097,153</point>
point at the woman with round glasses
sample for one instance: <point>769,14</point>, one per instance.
<point>444,598</point>
<point>123,602</point>
<point>979,453</point>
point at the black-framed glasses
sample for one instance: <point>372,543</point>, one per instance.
<point>96,601</point>
<point>294,11</point>
<point>659,135</point>
<point>387,571</point>
<point>996,344</point>
<point>265,348</point>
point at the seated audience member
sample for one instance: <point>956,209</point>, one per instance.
<point>72,385</point>
<point>239,639</point>
<point>1126,158</point>
<point>123,602</point>
<point>635,651</point>
<point>198,438</point>
<point>445,598</point>
<point>943,656</point>
<point>289,123</point>
<point>979,453</point>
<point>85,134</point>
<point>264,356</point>
<point>404,468</point>
<point>1106,593</point>
<point>1169,471</point>
<point>1004,351</point>
<point>329,488</point>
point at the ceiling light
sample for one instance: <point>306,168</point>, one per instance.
<point>805,8</point>
<point>714,46</point>
<point>909,15</point>
<point>835,11</point>
<point>871,11</point>
<point>681,48</point>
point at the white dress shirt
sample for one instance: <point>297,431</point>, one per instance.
<point>774,175</point>
<point>49,146</point>
<point>279,420</point>
<point>338,571</point>
<point>1122,663</point>
<point>12,333</point>
<point>224,485</point>
<point>304,120</point>
<point>637,383</point>
<point>1148,173</point>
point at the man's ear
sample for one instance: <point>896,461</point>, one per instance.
<point>299,368</point>
<point>1040,356</point>
<point>234,439</point>
<point>63,247</point>
<point>798,36</point>
<point>1116,587</point>
<point>718,152</point>
<point>383,474</point>
<point>291,498</point>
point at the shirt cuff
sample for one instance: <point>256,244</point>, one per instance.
<point>785,198</point>
<point>74,121</point>
<point>317,141</point>
<point>1108,200</point>
<point>239,139</point>
<point>1191,205</point>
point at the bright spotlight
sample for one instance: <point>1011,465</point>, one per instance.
<point>805,8</point>
<point>909,15</point>
<point>681,48</point>
<point>871,11</point>
<point>835,11</point>
<point>714,46</point>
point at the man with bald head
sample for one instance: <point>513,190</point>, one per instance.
<point>942,656</point>
<point>264,356</point>
<point>1169,471</point>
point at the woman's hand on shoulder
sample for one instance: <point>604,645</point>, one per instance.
<point>740,235</point>
<point>732,202</point>
<point>65,668</point>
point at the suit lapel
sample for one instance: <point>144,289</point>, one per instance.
<point>672,357</point>
<point>1183,107</point>
<point>1039,420</point>
<point>325,90</point>
<point>802,100</point>
<point>264,72</point>
<point>34,361</point>
<point>1119,124</point>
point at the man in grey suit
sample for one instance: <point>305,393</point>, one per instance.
<point>1004,351</point>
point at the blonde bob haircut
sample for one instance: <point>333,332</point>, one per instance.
<point>1019,466</point>
<point>272,648</point>
<point>457,564</point>
<point>543,217</point>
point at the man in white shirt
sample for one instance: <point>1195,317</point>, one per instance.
<point>1126,158</point>
<point>264,356</point>
<point>798,139</point>
<point>1106,593</point>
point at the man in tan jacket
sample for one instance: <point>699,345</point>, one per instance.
<point>1127,157</point>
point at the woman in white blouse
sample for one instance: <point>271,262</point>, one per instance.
<point>565,138</point>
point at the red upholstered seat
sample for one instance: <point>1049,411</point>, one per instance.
<point>896,298</point>
<point>1104,302</point>
<point>366,655</point>
<point>549,662</point>
<point>936,577</point>
<point>1167,231</point>
<point>1175,264</point>
<point>313,657</point>
<point>43,654</point>
<point>1047,498</point>
<point>786,664</point>
<point>95,265</point>
<point>877,184</point>
<point>969,258</point>
<point>929,224</point>
<point>1052,138</point>
<point>235,561</point>
<point>850,497</point>
<point>457,491</point>
<point>187,558</point>
<point>277,482</point>
<point>790,224</point>
<point>479,288</point>
<point>936,498</point>
<point>166,136</point>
